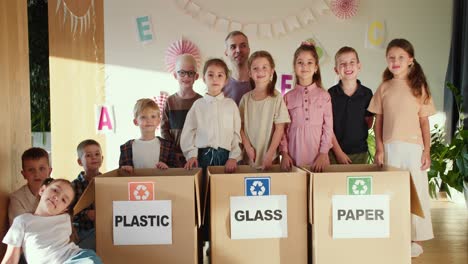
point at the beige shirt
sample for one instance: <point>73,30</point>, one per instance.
<point>212,122</point>
<point>21,201</point>
<point>259,118</point>
<point>401,111</point>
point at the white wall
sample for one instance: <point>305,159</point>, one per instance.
<point>135,70</point>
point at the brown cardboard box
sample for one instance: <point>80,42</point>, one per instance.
<point>403,201</point>
<point>290,249</point>
<point>180,186</point>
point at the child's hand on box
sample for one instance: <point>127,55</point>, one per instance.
<point>230,166</point>
<point>127,169</point>
<point>191,163</point>
<point>379,158</point>
<point>286,161</point>
<point>320,163</point>
<point>342,158</point>
<point>162,166</point>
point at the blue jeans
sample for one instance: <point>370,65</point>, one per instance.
<point>85,256</point>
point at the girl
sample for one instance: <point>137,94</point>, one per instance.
<point>45,235</point>
<point>402,137</point>
<point>308,138</point>
<point>263,112</point>
<point>211,132</point>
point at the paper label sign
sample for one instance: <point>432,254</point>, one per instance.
<point>142,223</point>
<point>140,191</point>
<point>361,216</point>
<point>254,217</point>
<point>361,185</point>
<point>257,186</point>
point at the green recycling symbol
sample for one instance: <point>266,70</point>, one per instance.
<point>360,185</point>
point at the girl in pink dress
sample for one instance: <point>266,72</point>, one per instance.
<point>307,138</point>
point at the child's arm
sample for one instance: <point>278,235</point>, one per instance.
<point>379,146</point>
<point>426,136</point>
<point>12,255</point>
<point>165,126</point>
<point>322,159</point>
<point>341,157</point>
<point>187,139</point>
<point>275,141</point>
<point>126,157</point>
<point>235,152</point>
<point>247,145</point>
<point>15,208</point>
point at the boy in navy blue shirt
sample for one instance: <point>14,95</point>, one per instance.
<point>351,120</point>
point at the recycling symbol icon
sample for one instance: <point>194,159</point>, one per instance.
<point>141,193</point>
<point>359,187</point>
<point>257,188</point>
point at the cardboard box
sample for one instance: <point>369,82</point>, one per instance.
<point>230,245</point>
<point>177,187</point>
<point>356,224</point>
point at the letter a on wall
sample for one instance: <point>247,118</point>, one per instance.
<point>375,34</point>
<point>105,121</point>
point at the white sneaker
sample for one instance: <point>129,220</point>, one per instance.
<point>416,250</point>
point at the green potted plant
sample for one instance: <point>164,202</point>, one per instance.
<point>449,160</point>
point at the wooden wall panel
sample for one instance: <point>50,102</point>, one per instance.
<point>15,124</point>
<point>76,78</point>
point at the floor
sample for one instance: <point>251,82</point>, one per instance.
<point>450,245</point>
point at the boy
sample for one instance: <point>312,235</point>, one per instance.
<point>90,158</point>
<point>351,120</point>
<point>35,169</point>
<point>148,151</point>
<point>178,104</point>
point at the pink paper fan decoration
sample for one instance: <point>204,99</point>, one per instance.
<point>180,47</point>
<point>344,9</point>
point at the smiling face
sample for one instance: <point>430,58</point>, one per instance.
<point>305,67</point>
<point>347,66</point>
<point>186,74</point>
<point>148,120</point>
<point>261,71</point>
<point>215,79</point>
<point>398,61</point>
<point>55,198</point>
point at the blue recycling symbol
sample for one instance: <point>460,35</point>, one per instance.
<point>257,186</point>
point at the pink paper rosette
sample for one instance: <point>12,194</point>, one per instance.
<point>180,47</point>
<point>344,9</point>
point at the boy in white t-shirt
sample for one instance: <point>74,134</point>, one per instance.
<point>148,151</point>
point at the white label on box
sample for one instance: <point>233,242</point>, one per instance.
<point>142,222</point>
<point>361,216</point>
<point>255,217</point>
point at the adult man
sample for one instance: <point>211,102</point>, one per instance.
<point>238,51</point>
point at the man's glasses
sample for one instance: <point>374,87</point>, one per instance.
<point>183,73</point>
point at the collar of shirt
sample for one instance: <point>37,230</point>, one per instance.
<point>358,91</point>
<point>306,89</point>
<point>210,98</point>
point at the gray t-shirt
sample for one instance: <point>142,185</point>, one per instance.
<point>235,89</point>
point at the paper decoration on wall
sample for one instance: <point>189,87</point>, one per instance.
<point>144,29</point>
<point>268,29</point>
<point>105,120</point>
<point>320,49</point>
<point>286,83</point>
<point>161,101</point>
<point>84,21</point>
<point>180,47</point>
<point>344,9</point>
<point>375,34</point>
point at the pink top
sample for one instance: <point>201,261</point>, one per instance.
<point>311,128</point>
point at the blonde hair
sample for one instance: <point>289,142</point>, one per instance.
<point>185,58</point>
<point>143,104</point>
